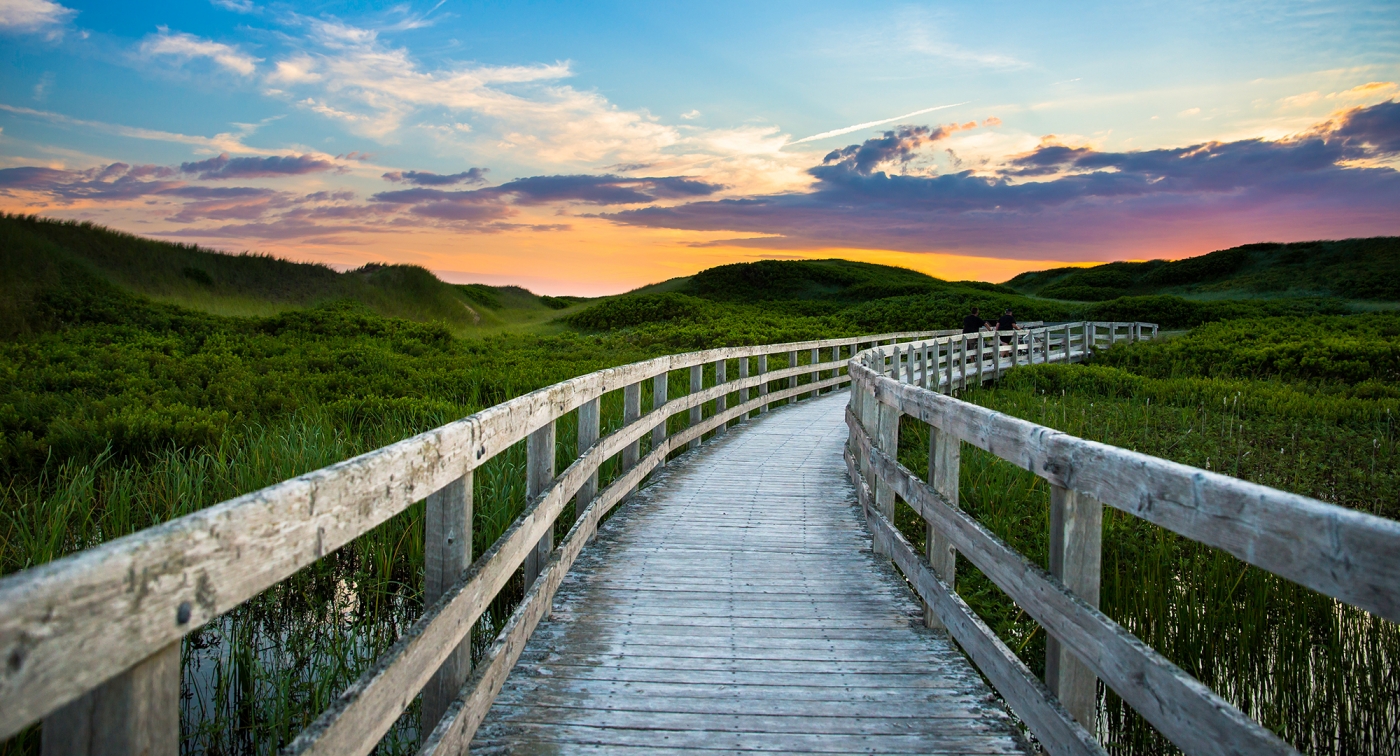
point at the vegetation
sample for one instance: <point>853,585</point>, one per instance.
<point>40,257</point>
<point>142,380</point>
<point>1275,401</point>
<point>1365,269</point>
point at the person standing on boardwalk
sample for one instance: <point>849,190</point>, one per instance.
<point>1007,322</point>
<point>974,322</point>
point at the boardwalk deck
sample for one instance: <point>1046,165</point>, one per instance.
<point>736,605</point>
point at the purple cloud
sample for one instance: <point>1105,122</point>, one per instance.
<point>1098,204</point>
<point>426,178</point>
<point>602,190</point>
<point>224,167</point>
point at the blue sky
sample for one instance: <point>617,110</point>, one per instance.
<point>675,122</point>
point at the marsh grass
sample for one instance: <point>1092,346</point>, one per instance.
<point>1319,673</point>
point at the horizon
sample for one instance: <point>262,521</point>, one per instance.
<point>590,150</point>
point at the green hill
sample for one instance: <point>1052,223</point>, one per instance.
<point>42,256</point>
<point>1354,269</point>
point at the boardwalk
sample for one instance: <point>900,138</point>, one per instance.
<point>735,605</point>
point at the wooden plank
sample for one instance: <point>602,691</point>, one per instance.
<point>945,465</point>
<point>763,387</point>
<point>660,388</point>
<point>697,377</point>
<point>1052,725</point>
<point>1349,555</point>
<point>539,473</point>
<point>722,401</point>
<point>743,391</point>
<point>589,427</point>
<point>1192,716</point>
<point>137,713</point>
<point>1076,534</point>
<point>447,547</point>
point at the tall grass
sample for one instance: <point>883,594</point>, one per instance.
<point>1319,673</point>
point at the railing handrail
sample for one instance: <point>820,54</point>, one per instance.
<point>1349,555</point>
<point>73,624</point>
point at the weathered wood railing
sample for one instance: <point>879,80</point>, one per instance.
<point>91,642</point>
<point>1351,556</point>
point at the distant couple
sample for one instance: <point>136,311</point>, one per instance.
<point>974,323</point>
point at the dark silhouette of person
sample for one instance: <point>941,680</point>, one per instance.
<point>974,322</point>
<point>1007,322</point>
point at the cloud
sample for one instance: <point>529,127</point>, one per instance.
<point>901,145</point>
<point>237,6</point>
<point>376,90</point>
<point>602,190</point>
<point>1088,202</point>
<point>224,167</point>
<point>186,47</point>
<point>224,142</point>
<point>426,178</point>
<point>544,190</point>
<point>32,15</point>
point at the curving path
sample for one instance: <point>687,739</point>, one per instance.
<point>734,605</point>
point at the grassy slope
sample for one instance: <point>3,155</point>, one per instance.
<point>1354,269</point>
<point>39,254</point>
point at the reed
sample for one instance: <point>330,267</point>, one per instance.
<point>1317,672</point>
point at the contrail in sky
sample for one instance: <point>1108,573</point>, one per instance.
<point>859,126</point>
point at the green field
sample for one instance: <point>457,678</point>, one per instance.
<point>133,390</point>
<point>1364,270</point>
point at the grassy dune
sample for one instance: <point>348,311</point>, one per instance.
<point>51,254</point>
<point>1354,269</point>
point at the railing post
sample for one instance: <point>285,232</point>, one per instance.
<point>948,368</point>
<point>1076,534</point>
<point>744,392</point>
<point>792,379</point>
<point>539,473</point>
<point>631,412</point>
<point>944,465</point>
<point>763,387</point>
<point>981,357</point>
<point>816,374</point>
<point>447,552</point>
<point>589,429</point>
<point>962,362</point>
<point>909,365</point>
<point>697,381</point>
<point>660,394</point>
<point>136,712</point>
<point>721,401</point>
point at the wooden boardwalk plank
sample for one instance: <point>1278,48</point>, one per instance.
<point>735,604</point>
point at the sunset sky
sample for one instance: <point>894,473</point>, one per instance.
<point>590,148</point>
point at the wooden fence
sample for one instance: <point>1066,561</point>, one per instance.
<point>91,642</point>
<point>1351,556</point>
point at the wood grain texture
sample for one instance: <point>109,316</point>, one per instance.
<point>625,662</point>
<point>539,474</point>
<point>135,714</point>
<point>1349,555</point>
<point>1188,713</point>
<point>1053,726</point>
<point>447,547</point>
<point>1076,535</point>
